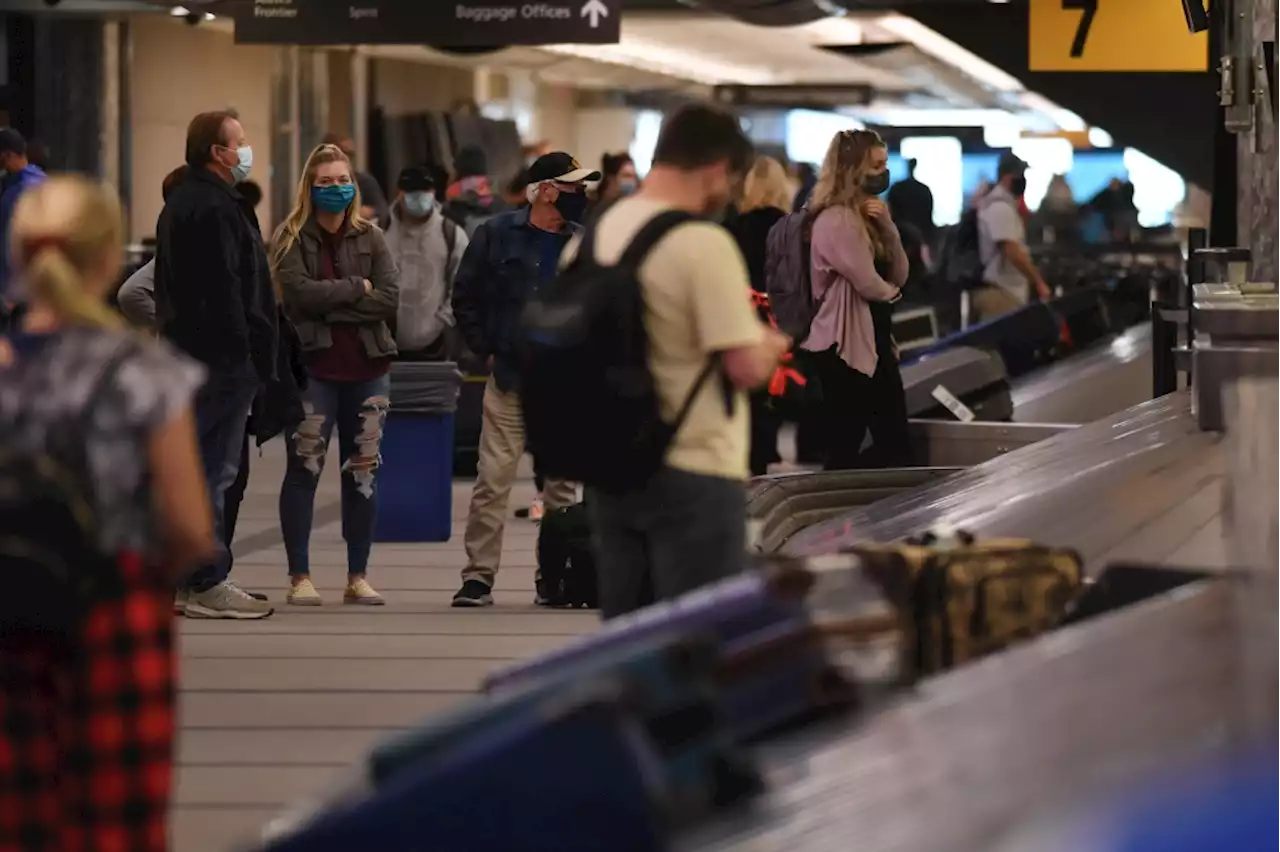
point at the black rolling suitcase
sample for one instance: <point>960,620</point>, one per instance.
<point>566,560</point>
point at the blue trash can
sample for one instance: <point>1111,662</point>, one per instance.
<point>415,481</point>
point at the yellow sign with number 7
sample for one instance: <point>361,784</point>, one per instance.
<point>1113,35</point>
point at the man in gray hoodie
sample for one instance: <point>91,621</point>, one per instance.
<point>427,248</point>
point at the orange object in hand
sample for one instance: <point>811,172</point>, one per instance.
<point>784,374</point>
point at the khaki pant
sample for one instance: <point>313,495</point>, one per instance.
<point>501,448</point>
<point>990,302</point>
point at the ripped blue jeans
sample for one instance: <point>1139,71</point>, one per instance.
<point>359,411</point>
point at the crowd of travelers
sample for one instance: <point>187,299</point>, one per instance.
<point>720,321</point>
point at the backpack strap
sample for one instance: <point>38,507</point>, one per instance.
<point>450,228</point>
<point>651,234</point>
<point>712,366</point>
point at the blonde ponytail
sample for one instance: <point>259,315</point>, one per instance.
<point>63,231</point>
<point>51,278</point>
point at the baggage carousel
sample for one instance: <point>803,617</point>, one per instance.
<point>1104,379</point>
<point>965,759</point>
<point>1141,484</point>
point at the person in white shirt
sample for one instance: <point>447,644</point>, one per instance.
<point>1008,271</point>
<point>427,248</point>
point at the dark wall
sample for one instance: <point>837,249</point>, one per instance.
<point>55,86</point>
<point>1169,116</point>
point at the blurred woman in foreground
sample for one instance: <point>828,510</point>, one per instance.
<point>103,506</point>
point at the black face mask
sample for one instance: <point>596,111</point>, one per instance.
<point>876,184</point>
<point>1018,187</point>
<point>572,206</point>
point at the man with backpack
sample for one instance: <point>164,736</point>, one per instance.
<point>427,249</point>
<point>637,359</point>
<point>1008,272</point>
<point>509,258</point>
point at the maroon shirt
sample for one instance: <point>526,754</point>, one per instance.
<point>346,360</point>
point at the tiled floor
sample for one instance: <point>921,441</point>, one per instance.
<point>271,710</point>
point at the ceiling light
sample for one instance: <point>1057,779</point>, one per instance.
<point>943,48</point>
<point>644,55</point>
<point>1100,138</point>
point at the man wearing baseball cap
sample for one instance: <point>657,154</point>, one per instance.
<point>510,255</point>
<point>427,248</point>
<point>1008,273</point>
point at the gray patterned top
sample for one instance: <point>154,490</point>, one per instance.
<point>131,385</point>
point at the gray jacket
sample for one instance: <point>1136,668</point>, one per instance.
<point>315,303</point>
<point>137,296</point>
<point>428,259</point>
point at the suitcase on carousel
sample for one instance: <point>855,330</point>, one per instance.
<point>962,599</point>
<point>534,782</point>
<point>773,662</point>
<point>667,684</point>
<point>976,377</point>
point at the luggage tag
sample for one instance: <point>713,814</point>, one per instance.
<point>952,403</point>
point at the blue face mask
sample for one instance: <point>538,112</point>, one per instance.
<point>419,204</point>
<point>333,198</point>
<point>244,164</point>
<point>627,187</point>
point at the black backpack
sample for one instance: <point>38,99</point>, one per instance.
<point>566,560</point>
<point>961,265</point>
<point>49,537</point>
<point>591,408</point>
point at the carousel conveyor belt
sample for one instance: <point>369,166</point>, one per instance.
<point>965,760</point>
<point>1090,385</point>
<point>1142,484</point>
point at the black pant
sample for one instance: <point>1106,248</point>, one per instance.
<point>853,404</point>
<point>679,532</point>
<point>764,433</point>
<point>235,495</point>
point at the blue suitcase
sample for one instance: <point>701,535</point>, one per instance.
<point>531,783</point>
<point>668,684</point>
<point>733,607</point>
<point>772,664</point>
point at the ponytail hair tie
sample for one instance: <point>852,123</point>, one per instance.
<point>34,245</point>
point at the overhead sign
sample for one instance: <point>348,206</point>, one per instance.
<point>817,96</point>
<point>439,23</point>
<point>1113,35</point>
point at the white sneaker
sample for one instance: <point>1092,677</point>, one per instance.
<point>360,592</point>
<point>303,593</point>
<point>226,600</point>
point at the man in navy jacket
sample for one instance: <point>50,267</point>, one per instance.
<point>509,256</point>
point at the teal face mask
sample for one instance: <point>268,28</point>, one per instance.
<point>333,198</point>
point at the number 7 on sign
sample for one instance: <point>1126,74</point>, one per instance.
<point>1089,8</point>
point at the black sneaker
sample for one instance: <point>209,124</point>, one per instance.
<point>473,593</point>
<point>540,597</point>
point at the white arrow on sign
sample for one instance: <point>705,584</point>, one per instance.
<point>595,10</point>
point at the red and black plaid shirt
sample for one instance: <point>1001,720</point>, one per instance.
<point>87,726</point>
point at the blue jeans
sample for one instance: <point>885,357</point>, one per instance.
<point>222,411</point>
<point>359,411</point>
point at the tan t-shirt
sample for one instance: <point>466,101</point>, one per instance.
<point>698,300</point>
